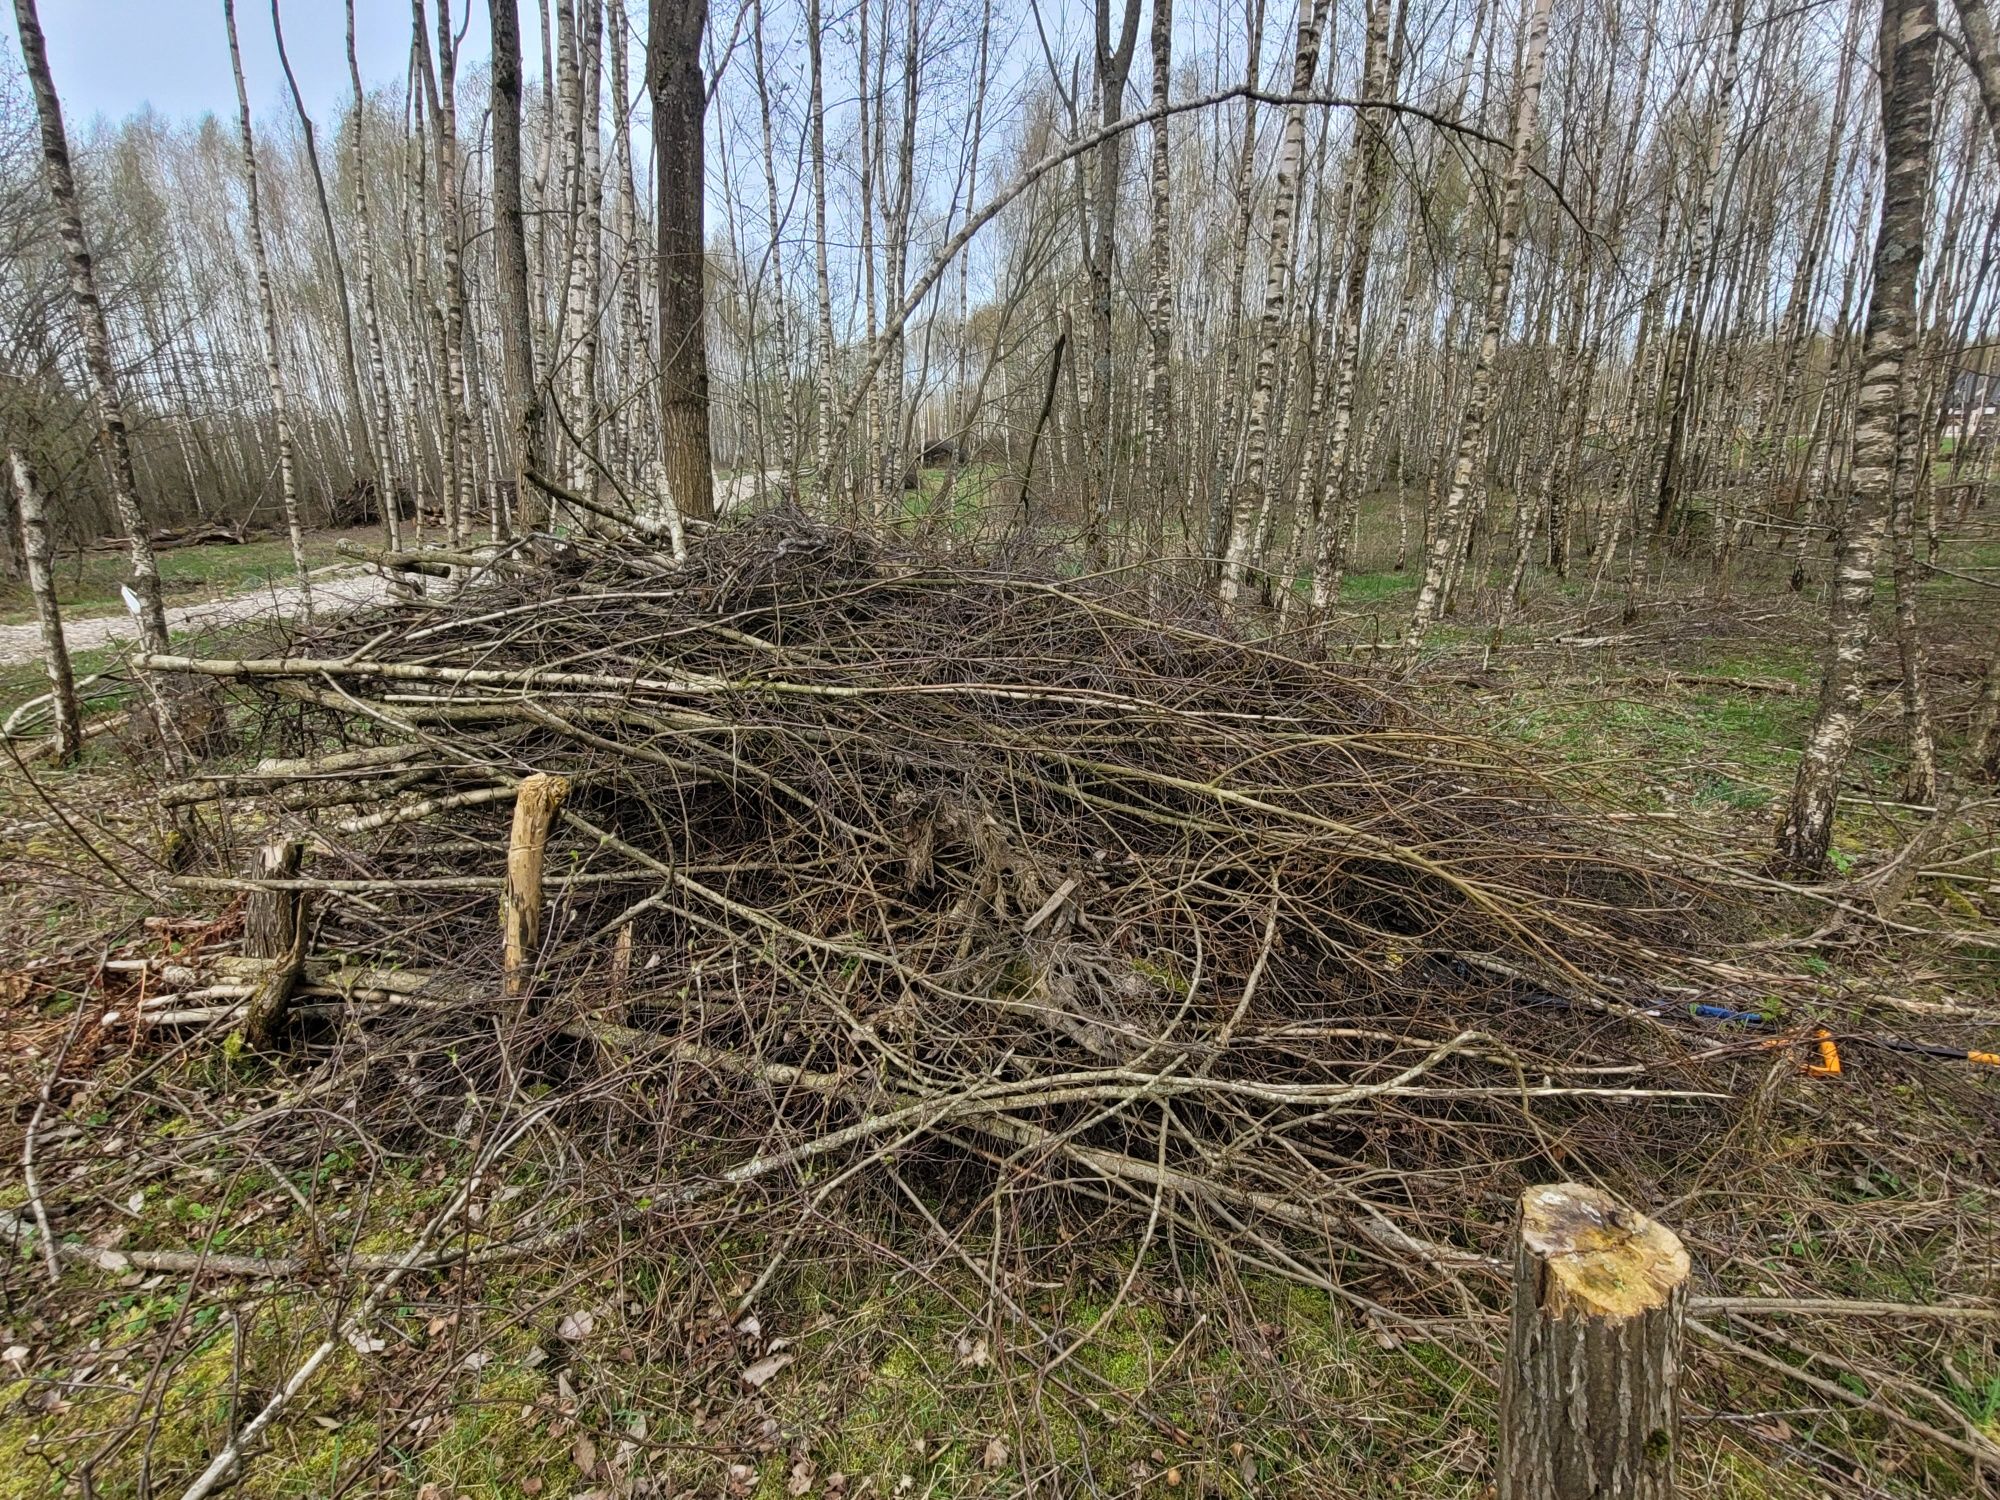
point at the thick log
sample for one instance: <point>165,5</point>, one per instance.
<point>1590,1395</point>
<point>538,800</point>
<point>274,929</point>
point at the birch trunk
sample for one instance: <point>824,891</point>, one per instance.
<point>1340,493</point>
<point>94,332</point>
<point>1909,46</point>
<point>39,557</point>
<point>1446,541</point>
<point>1278,278</point>
<point>388,495</point>
<point>267,303</point>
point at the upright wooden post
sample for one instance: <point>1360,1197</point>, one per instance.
<point>536,804</point>
<point>274,929</point>
<point>1590,1396</point>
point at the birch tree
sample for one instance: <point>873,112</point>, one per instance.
<point>1447,539</point>
<point>267,299</point>
<point>1909,43</point>
<point>113,440</point>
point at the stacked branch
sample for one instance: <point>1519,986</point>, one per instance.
<point>842,858</point>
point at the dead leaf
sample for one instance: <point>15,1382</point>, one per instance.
<point>1777,1430</point>
<point>996,1453</point>
<point>532,1485</point>
<point>973,1352</point>
<point>583,1453</point>
<point>576,1326</point>
<point>801,1480</point>
<point>759,1375</point>
<point>365,1343</point>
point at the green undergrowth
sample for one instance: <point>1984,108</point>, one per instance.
<point>87,583</point>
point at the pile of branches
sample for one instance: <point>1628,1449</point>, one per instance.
<point>862,869</point>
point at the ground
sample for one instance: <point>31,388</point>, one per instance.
<point>896,1370</point>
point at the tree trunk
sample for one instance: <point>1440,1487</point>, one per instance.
<point>94,331</point>
<point>1447,541</point>
<point>679,101</point>
<point>387,490</point>
<point>274,929</point>
<point>1159,270</point>
<point>267,302</point>
<point>517,340</point>
<point>1340,493</point>
<point>1909,52</point>
<point>350,366</point>
<point>1982,51</point>
<point>39,555</point>
<point>1278,276</point>
<point>822,277</point>
<point>1590,1390</point>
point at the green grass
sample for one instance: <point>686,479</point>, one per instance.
<point>87,583</point>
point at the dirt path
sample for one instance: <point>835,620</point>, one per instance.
<point>336,590</point>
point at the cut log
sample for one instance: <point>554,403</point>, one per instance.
<point>536,804</point>
<point>1590,1395</point>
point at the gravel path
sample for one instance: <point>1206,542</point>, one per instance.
<point>337,590</point>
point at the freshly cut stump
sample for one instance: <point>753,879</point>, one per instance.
<point>1590,1396</point>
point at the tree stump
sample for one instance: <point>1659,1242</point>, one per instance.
<point>536,804</point>
<point>1590,1395</point>
<point>274,929</point>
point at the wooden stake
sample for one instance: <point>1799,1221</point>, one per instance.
<point>1590,1395</point>
<point>536,803</point>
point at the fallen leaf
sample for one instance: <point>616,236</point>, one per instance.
<point>996,1453</point>
<point>576,1326</point>
<point>532,1485</point>
<point>365,1343</point>
<point>973,1352</point>
<point>759,1375</point>
<point>583,1453</point>
<point>801,1480</point>
<point>113,1261</point>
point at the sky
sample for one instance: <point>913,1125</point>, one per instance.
<point>112,57</point>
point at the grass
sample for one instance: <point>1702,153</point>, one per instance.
<point>87,583</point>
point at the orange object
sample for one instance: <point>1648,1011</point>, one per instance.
<point>1828,1065</point>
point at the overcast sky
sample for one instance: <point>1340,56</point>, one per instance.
<point>112,57</point>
